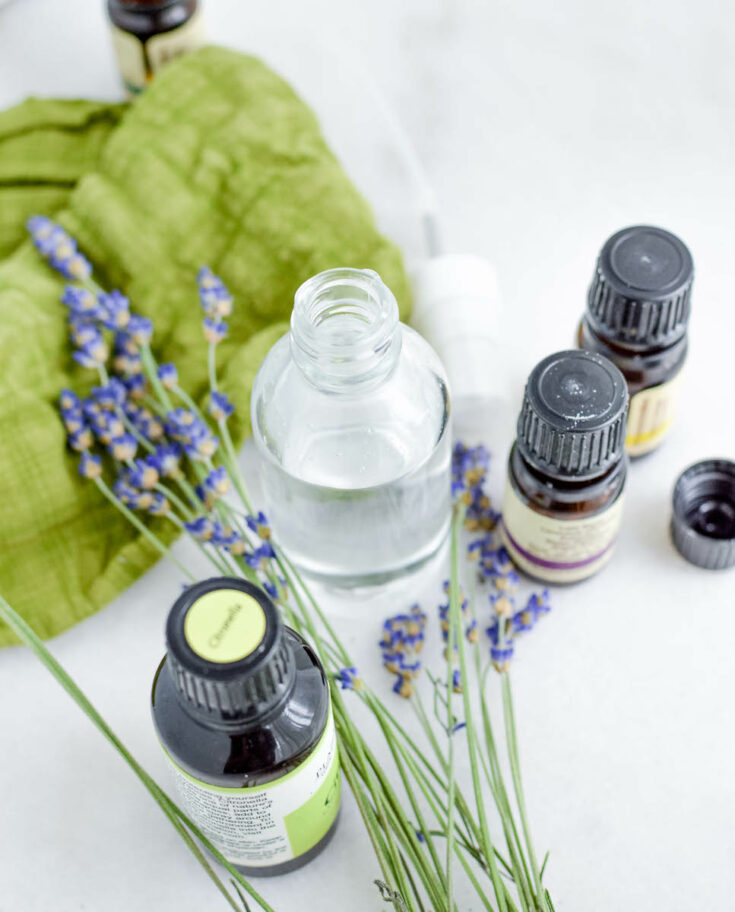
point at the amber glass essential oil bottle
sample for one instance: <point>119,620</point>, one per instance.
<point>149,33</point>
<point>637,316</point>
<point>566,474</point>
<point>242,709</point>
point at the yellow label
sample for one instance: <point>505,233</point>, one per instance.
<point>139,60</point>
<point>558,550</point>
<point>169,45</point>
<point>224,625</point>
<point>650,416</point>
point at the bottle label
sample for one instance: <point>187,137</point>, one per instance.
<point>558,550</point>
<point>650,416</point>
<point>273,823</point>
<point>139,60</point>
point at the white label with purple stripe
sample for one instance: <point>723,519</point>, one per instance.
<point>558,550</point>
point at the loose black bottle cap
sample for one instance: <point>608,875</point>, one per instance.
<point>640,293</point>
<point>572,422</point>
<point>227,655</point>
<point>703,524</point>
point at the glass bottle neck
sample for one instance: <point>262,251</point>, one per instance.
<point>344,329</point>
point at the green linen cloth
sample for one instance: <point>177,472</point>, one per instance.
<point>45,147</point>
<point>218,163</point>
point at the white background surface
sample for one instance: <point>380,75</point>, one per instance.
<point>544,128</point>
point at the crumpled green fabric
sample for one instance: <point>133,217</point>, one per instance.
<point>45,147</point>
<point>218,163</point>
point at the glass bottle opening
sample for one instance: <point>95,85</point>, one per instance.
<point>343,327</point>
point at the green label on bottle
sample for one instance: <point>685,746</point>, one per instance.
<point>266,825</point>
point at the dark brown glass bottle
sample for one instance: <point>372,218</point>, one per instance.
<point>149,33</point>
<point>241,706</point>
<point>566,472</point>
<point>637,316</point>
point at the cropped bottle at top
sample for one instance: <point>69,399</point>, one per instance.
<point>637,315</point>
<point>149,33</point>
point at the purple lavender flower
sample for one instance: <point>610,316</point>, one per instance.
<point>140,329</point>
<point>124,344</point>
<point>220,406</point>
<point>115,310</point>
<point>90,466</point>
<point>470,629</point>
<point>222,536</point>
<point>215,299</point>
<point>82,303</point>
<point>214,330</point>
<point>202,528</point>
<point>142,474</point>
<point>128,365</point>
<point>70,409</point>
<point>166,460</point>
<point>218,482</point>
<point>348,678</point>
<point>82,333</point>
<point>58,248</point>
<point>236,544</point>
<point>110,396</point>
<point>73,420</point>
<point>201,444</point>
<point>93,352</point>
<point>144,421</point>
<point>135,386</point>
<point>106,425</point>
<point>271,589</point>
<point>259,525</point>
<point>259,558</point>
<point>123,447</point>
<point>538,604</point>
<point>469,472</point>
<point>502,655</point>
<point>159,504</point>
<point>122,490</point>
<point>401,643</point>
<point>168,375</point>
<point>68,399</point>
<point>80,440</point>
<point>502,603</point>
<point>179,423</point>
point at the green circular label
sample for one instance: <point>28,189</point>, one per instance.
<point>224,625</point>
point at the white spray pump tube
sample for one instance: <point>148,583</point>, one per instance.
<point>456,308</point>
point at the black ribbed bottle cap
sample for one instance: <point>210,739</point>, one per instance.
<point>640,293</point>
<point>227,655</point>
<point>703,523</point>
<point>572,422</point>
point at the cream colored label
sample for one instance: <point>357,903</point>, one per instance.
<point>139,60</point>
<point>650,416</point>
<point>558,550</point>
<point>169,45</point>
<point>259,826</point>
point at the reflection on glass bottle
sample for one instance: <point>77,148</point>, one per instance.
<point>350,415</point>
